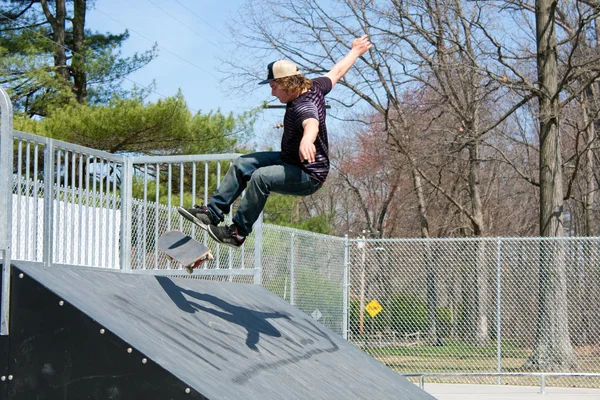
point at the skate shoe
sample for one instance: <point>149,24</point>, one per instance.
<point>227,235</point>
<point>199,215</point>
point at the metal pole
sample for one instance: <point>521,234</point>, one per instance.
<point>345,319</point>
<point>499,309</point>
<point>258,238</point>
<point>6,176</point>
<point>292,272</point>
<point>126,209</point>
<point>542,384</point>
<point>48,203</point>
<point>361,322</point>
<point>6,168</point>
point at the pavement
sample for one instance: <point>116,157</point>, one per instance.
<point>496,392</point>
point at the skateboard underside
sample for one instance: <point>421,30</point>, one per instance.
<point>184,249</point>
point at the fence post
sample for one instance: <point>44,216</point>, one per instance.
<point>126,210</point>
<point>6,178</point>
<point>292,272</point>
<point>346,288</point>
<point>258,244</point>
<point>499,309</point>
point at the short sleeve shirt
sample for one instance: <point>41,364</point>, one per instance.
<point>308,105</point>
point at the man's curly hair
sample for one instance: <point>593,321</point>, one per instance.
<point>295,84</point>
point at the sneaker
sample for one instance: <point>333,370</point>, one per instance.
<point>227,235</point>
<point>199,215</point>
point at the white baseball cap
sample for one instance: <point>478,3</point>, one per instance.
<point>280,69</point>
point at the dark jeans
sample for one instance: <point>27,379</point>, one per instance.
<point>259,174</point>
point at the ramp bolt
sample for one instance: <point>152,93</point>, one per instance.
<point>144,360</point>
<point>129,350</point>
<point>10,377</point>
<point>61,303</point>
<point>187,390</point>
<point>3,378</point>
<point>102,331</point>
<point>21,276</point>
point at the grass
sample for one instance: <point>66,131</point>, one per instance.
<point>452,348</point>
<point>457,356</point>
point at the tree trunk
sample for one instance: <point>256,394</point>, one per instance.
<point>590,187</point>
<point>57,22</point>
<point>481,296</point>
<point>430,261</point>
<point>78,62</point>
<point>553,350</point>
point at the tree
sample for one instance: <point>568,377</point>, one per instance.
<point>372,175</point>
<point>87,66</point>
<point>553,348</point>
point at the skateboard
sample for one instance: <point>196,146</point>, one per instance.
<point>183,249</point>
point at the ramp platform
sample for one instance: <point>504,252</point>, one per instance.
<point>81,333</point>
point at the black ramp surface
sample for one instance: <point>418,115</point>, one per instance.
<point>226,340</point>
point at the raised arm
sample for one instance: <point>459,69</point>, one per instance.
<point>359,47</point>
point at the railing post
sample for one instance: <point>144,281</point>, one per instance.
<point>49,202</point>
<point>126,210</point>
<point>6,178</point>
<point>346,288</point>
<point>292,272</point>
<point>258,246</point>
<point>542,384</point>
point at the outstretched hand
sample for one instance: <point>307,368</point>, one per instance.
<point>361,44</point>
<point>359,47</point>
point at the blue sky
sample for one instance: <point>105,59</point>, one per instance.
<point>192,36</point>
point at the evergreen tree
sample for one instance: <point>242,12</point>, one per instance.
<point>49,59</point>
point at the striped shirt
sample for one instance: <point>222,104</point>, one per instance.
<point>308,105</point>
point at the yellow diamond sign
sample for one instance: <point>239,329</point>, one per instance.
<point>373,308</point>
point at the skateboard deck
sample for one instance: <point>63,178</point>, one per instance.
<point>183,249</point>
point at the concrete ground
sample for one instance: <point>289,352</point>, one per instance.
<point>495,392</point>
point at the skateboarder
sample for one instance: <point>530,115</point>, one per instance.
<point>299,169</point>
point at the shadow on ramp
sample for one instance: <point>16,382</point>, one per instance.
<point>254,322</point>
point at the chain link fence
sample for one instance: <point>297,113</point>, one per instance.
<point>479,306</point>
<point>307,270</point>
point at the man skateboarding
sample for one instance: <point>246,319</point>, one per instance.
<point>299,169</point>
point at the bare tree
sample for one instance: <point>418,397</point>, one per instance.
<point>373,175</point>
<point>553,349</point>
